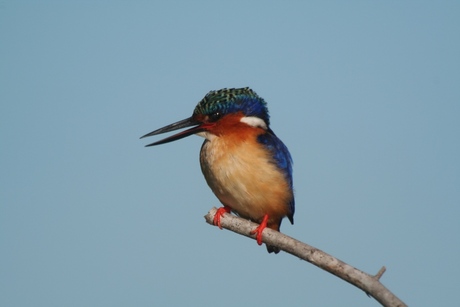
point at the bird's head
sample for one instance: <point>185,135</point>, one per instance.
<point>217,111</point>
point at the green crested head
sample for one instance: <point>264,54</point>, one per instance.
<point>233,100</point>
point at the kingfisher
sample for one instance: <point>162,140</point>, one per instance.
<point>245,164</point>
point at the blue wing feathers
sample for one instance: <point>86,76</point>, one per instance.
<point>281,157</point>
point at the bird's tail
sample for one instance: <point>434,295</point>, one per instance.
<point>272,249</point>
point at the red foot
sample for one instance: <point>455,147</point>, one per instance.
<point>258,231</point>
<point>220,212</point>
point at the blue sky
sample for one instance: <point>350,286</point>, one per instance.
<point>365,94</point>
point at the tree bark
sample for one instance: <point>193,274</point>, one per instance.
<point>370,284</point>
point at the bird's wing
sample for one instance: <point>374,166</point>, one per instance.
<point>281,157</point>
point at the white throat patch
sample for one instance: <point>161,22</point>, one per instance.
<point>207,135</point>
<point>254,122</point>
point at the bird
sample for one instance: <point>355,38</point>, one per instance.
<point>247,167</point>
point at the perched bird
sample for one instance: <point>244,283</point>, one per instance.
<point>245,164</point>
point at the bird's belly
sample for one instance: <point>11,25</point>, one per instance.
<point>244,179</point>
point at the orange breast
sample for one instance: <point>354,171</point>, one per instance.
<point>242,175</point>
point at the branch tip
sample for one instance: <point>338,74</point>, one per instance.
<point>380,273</point>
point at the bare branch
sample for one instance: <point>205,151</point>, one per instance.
<point>368,283</point>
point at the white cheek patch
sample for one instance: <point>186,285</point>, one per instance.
<point>254,122</point>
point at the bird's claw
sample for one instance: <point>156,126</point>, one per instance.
<point>220,213</point>
<point>259,229</point>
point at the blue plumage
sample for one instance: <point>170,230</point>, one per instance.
<point>244,163</point>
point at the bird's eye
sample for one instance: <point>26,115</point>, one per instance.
<point>215,116</point>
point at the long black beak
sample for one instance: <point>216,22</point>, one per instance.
<point>178,125</point>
